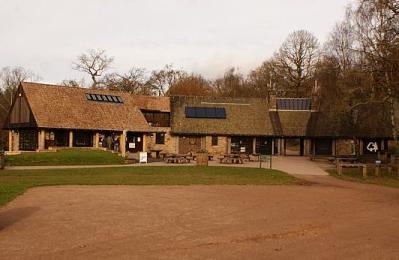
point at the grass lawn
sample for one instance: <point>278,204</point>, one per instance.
<point>386,179</point>
<point>64,157</point>
<point>14,183</point>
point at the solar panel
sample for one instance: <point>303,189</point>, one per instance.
<point>103,98</point>
<point>205,112</point>
<point>298,104</point>
<point>220,113</point>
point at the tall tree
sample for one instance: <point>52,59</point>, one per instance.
<point>232,84</point>
<point>10,78</point>
<point>376,28</point>
<point>135,82</point>
<point>94,63</point>
<point>162,80</point>
<point>190,85</point>
<point>296,61</point>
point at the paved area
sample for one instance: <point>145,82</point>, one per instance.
<point>291,164</point>
<point>327,219</point>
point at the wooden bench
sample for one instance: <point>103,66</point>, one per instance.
<point>361,166</point>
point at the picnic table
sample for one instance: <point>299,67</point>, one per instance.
<point>233,158</point>
<point>157,152</point>
<point>177,158</point>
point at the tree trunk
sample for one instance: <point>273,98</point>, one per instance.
<point>392,111</point>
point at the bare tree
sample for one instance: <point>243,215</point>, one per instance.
<point>163,79</point>
<point>94,63</point>
<point>341,42</point>
<point>10,78</point>
<point>232,84</point>
<point>376,27</point>
<point>135,81</point>
<point>190,85</point>
<point>296,61</point>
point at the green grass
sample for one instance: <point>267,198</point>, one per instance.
<point>386,179</point>
<point>64,157</point>
<point>14,183</point>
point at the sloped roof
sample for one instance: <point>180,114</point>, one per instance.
<point>244,116</point>
<point>291,123</point>
<point>152,103</point>
<point>67,107</point>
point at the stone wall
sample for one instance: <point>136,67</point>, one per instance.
<point>170,145</point>
<point>221,148</point>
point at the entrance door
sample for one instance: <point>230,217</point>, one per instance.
<point>323,147</point>
<point>134,142</point>
<point>264,145</point>
<point>294,146</point>
<point>189,144</point>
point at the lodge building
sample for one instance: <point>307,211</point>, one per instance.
<point>46,116</point>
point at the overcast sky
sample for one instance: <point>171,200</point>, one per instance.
<point>202,36</point>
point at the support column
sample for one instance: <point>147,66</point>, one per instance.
<point>177,144</point>
<point>334,147</point>
<point>361,147</point>
<point>228,145</point>
<point>96,140</point>
<point>70,139</point>
<point>272,146</point>
<point>10,143</point>
<point>254,145</point>
<point>41,140</point>
<point>122,143</point>
<point>145,142</point>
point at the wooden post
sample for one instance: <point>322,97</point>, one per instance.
<point>364,171</point>
<point>377,171</point>
<point>339,168</point>
<point>70,139</point>
<point>10,143</point>
<point>122,143</point>
<point>228,145</point>
<point>254,145</point>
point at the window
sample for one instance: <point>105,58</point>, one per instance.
<point>103,98</point>
<point>206,112</point>
<point>214,140</point>
<point>160,138</point>
<point>157,119</point>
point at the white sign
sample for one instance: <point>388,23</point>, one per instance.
<point>132,145</point>
<point>372,147</point>
<point>242,149</point>
<point>143,157</point>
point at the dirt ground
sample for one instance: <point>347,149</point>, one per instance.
<point>329,219</point>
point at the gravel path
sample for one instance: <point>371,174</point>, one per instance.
<point>328,219</point>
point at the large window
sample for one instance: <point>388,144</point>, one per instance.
<point>160,138</point>
<point>157,119</point>
<point>206,112</point>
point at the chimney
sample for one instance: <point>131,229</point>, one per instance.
<point>273,102</point>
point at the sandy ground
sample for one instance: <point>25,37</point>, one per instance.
<point>328,219</point>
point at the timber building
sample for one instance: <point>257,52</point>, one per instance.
<point>46,116</point>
